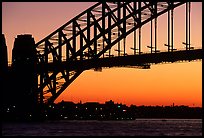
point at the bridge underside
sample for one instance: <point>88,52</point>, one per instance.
<point>143,60</point>
<point>83,43</point>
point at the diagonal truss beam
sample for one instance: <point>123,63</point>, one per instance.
<point>79,28</point>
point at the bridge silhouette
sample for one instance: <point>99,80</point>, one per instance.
<point>96,38</point>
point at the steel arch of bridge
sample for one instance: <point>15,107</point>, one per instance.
<point>89,36</point>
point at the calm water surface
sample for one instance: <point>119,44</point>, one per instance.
<point>138,127</point>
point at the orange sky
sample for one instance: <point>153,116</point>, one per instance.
<point>163,84</point>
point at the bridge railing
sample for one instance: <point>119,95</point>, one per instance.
<point>146,52</point>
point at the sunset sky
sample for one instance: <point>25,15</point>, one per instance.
<point>163,84</point>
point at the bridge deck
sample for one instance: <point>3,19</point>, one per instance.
<point>130,60</point>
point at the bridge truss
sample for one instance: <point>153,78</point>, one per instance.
<point>92,35</point>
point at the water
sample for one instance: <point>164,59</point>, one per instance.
<point>138,127</point>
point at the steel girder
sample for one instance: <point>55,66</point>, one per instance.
<point>89,36</point>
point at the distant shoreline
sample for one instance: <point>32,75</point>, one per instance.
<point>95,111</point>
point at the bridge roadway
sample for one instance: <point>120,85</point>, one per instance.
<point>144,60</point>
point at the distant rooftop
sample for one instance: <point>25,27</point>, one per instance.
<point>24,36</point>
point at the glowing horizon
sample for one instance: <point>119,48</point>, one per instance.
<point>117,84</point>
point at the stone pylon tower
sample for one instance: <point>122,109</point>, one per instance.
<point>24,74</point>
<point>4,78</point>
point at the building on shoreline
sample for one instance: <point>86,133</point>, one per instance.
<point>67,110</point>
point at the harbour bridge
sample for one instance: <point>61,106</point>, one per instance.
<point>97,38</point>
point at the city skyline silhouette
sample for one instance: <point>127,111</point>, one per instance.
<point>99,86</point>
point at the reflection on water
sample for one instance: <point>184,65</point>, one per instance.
<point>138,127</point>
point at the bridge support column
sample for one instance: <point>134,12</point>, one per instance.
<point>187,25</point>
<point>24,77</point>
<point>4,75</point>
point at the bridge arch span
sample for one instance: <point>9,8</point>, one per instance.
<point>88,38</point>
